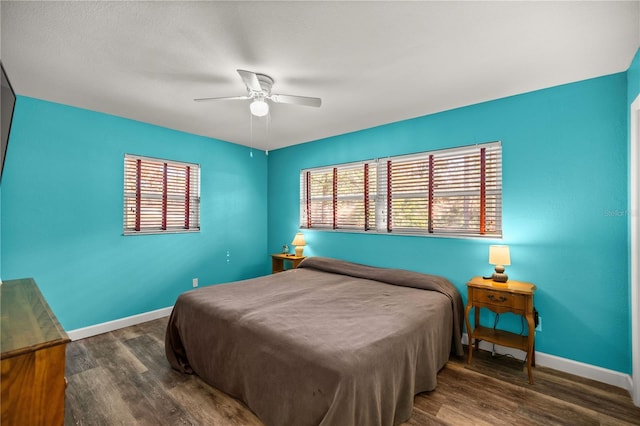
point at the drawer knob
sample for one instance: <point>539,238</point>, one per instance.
<point>496,299</point>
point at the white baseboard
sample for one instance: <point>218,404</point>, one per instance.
<point>105,327</point>
<point>566,365</point>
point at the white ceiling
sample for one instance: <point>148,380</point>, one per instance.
<point>370,62</point>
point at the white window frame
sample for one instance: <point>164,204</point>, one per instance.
<point>160,196</point>
<point>479,186</point>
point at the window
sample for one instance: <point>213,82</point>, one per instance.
<point>160,196</point>
<point>338,197</point>
<point>447,192</point>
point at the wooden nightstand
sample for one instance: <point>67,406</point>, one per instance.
<point>279,261</point>
<point>515,297</point>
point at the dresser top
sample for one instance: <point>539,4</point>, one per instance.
<point>26,320</point>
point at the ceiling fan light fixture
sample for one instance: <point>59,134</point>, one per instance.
<point>259,108</point>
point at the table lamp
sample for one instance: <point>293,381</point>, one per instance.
<point>299,243</point>
<point>499,256</point>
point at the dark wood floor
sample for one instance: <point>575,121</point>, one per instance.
<point>123,377</point>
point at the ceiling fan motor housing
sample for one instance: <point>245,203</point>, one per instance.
<point>265,82</point>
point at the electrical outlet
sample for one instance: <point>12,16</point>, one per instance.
<point>195,282</point>
<point>539,326</point>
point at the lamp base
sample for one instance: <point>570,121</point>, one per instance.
<point>499,276</point>
<point>299,250</point>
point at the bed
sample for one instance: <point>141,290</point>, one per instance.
<point>328,343</point>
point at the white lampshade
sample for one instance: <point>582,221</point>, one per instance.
<point>259,108</point>
<point>499,255</point>
<point>299,243</point>
<point>298,240</point>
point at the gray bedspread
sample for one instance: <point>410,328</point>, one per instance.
<point>328,343</point>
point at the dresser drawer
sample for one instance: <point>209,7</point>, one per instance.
<point>499,299</point>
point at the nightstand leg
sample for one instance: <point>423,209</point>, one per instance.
<point>469,334</point>
<point>533,355</point>
<point>476,321</point>
<point>530,347</point>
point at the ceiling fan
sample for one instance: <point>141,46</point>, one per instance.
<point>259,91</point>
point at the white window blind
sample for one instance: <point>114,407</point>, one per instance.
<point>408,196</point>
<point>340,197</point>
<point>447,192</point>
<point>318,187</point>
<point>160,196</point>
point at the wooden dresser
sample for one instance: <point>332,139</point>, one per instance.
<point>33,348</point>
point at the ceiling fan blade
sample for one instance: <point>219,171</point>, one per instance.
<point>224,98</point>
<point>296,100</point>
<point>250,80</point>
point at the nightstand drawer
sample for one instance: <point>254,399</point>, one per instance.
<point>499,299</point>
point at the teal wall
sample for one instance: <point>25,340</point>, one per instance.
<point>61,217</point>
<point>564,197</point>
